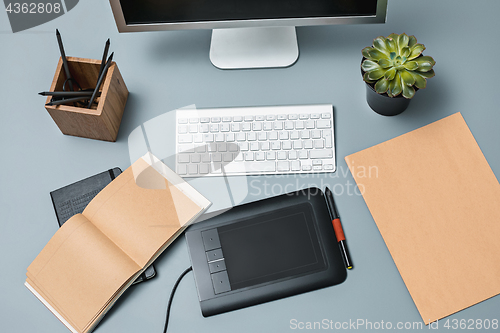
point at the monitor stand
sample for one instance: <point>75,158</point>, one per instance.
<point>263,47</point>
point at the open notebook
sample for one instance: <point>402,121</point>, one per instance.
<point>95,256</point>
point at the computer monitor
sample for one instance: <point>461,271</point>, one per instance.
<point>246,34</point>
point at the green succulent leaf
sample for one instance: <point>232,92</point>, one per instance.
<point>408,92</point>
<point>408,79</point>
<point>411,65</point>
<point>369,65</point>
<point>390,74</point>
<point>395,86</point>
<point>420,81</point>
<point>365,52</point>
<point>385,63</point>
<point>392,55</point>
<point>405,52</point>
<point>412,41</point>
<point>376,54</point>
<point>425,63</point>
<point>393,36</point>
<point>391,45</point>
<point>379,44</point>
<point>416,51</point>
<point>428,74</point>
<point>403,40</point>
<point>376,74</point>
<point>366,79</point>
<point>381,86</point>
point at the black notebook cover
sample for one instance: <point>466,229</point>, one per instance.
<point>72,199</point>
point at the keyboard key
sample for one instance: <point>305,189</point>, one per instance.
<point>327,153</point>
<point>248,118</point>
<point>282,155</point>
<point>182,129</point>
<point>317,167</point>
<point>297,145</point>
<point>230,137</point>
<point>182,121</point>
<point>305,134</point>
<point>246,127</point>
<point>193,120</point>
<point>317,162</point>
<point>257,126</point>
<point>241,136</point>
<point>289,125</point>
<point>222,147</point>
<point>264,166</point>
<point>212,147</point>
<point>186,138</point>
<point>208,137</point>
<point>325,116</point>
<point>227,157</point>
<point>233,147</point>
<point>252,136</point>
<point>238,118</point>
<point>327,135</point>
<point>265,145</point>
<point>198,138</point>
<point>283,166</point>
<point>286,145</point>
<point>270,155</point>
<point>224,127</point>
<point>186,149</point>
<point>268,126</point>
<point>315,115</point>
<point>309,124</point>
<point>283,135</point>
<point>206,158</point>
<point>315,134</point>
<point>182,169</point>
<point>319,144</point>
<point>200,149</point>
<point>294,135</point>
<point>254,146</point>
<point>282,117</point>
<point>249,156</point>
<point>295,165</point>
<point>216,168</point>
<point>260,118</point>
<point>217,157</point>
<point>308,144</point>
<point>204,168</point>
<point>226,119</point>
<point>239,157</point>
<point>323,124</point>
<point>303,116</point>
<point>292,155</point>
<point>260,156</point>
<point>214,128</point>
<point>204,128</point>
<point>273,136</point>
<point>278,125</point>
<point>183,158</point>
<point>299,124</point>
<point>219,137</point>
<point>192,169</point>
<point>303,154</point>
<point>275,145</point>
<point>193,128</point>
<point>215,119</point>
<point>293,116</point>
<point>262,136</point>
<point>270,117</point>
<point>235,127</point>
<point>306,168</point>
<point>328,167</point>
<point>204,119</point>
<point>195,158</point>
<point>243,146</point>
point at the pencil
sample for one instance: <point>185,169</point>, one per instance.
<point>101,78</point>
<point>64,60</point>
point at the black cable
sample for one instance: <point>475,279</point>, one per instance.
<point>172,296</point>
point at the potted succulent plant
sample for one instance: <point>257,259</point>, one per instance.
<point>393,69</point>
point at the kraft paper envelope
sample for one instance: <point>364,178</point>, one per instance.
<point>436,203</point>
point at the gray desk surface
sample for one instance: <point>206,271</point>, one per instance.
<point>169,70</point>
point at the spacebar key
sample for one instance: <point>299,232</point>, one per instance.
<point>250,167</point>
<point>324,153</point>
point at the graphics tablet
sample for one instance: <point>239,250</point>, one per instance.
<point>265,250</point>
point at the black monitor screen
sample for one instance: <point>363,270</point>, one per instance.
<point>272,246</point>
<point>173,11</point>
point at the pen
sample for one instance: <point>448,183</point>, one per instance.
<point>101,78</point>
<point>64,60</point>
<point>67,93</point>
<point>67,100</point>
<point>104,56</point>
<point>337,226</point>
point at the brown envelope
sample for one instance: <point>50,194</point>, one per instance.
<point>436,203</point>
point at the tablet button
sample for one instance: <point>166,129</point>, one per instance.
<point>217,266</point>
<point>210,239</point>
<point>214,255</point>
<point>221,282</point>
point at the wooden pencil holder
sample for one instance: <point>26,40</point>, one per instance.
<point>101,121</point>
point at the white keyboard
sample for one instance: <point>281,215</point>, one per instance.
<point>255,140</point>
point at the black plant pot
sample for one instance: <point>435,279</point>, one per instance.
<point>383,104</point>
